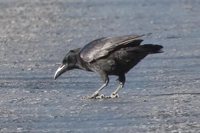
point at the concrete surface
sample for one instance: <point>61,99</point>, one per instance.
<point>161,95</point>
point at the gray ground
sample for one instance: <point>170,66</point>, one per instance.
<point>162,94</point>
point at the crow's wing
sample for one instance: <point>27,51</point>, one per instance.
<point>103,46</point>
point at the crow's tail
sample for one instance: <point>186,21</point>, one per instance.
<point>152,48</point>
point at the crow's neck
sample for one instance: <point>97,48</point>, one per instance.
<point>80,64</point>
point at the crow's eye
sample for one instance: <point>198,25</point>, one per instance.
<point>68,59</point>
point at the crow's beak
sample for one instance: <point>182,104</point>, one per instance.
<point>60,71</point>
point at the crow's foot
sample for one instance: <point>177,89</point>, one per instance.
<point>96,96</point>
<point>114,95</point>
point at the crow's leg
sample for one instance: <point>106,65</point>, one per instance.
<point>96,94</point>
<point>122,80</point>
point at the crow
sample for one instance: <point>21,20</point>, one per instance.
<point>108,56</point>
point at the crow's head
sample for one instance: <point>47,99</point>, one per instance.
<point>68,63</point>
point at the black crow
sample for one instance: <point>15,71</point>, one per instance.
<point>108,56</point>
